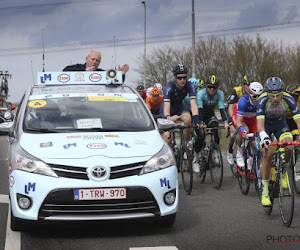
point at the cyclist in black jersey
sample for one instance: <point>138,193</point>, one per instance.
<point>173,107</point>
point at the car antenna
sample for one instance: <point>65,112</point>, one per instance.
<point>43,50</point>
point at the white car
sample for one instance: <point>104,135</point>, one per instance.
<point>84,148</point>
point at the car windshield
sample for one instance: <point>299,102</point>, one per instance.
<point>66,113</point>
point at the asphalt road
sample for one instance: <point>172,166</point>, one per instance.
<point>207,219</point>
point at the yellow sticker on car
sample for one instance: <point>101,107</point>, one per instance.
<point>37,103</point>
<point>106,99</point>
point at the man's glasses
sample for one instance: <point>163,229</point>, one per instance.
<point>275,94</point>
<point>155,95</point>
<point>212,86</point>
<point>255,96</point>
<point>181,77</point>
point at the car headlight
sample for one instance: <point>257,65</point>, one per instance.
<point>29,163</point>
<point>163,159</point>
<point>7,115</point>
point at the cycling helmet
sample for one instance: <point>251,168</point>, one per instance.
<point>158,85</point>
<point>213,80</point>
<point>201,83</point>
<point>155,91</point>
<point>195,82</point>
<point>140,87</point>
<point>255,89</point>
<point>180,69</point>
<point>248,79</point>
<point>274,84</point>
<point>291,88</point>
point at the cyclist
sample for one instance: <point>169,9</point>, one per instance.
<point>173,107</point>
<point>246,117</point>
<point>154,101</point>
<point>232,100</point>
<point>198,84</point>
<point>207,99</point>
<point>271,108</point>
<point>294,91</point>
<point>141,91</point>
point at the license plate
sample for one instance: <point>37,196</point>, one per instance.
<point>100,194</point>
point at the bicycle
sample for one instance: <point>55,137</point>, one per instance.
<point>276,187</point>
<point>295,166</point>
<point>252,158</point>
<point>211,159</point>
<point>183,157</point>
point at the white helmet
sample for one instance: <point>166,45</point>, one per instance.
<point>255,89</point>
<point>158,85</point>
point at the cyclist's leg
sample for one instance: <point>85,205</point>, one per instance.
<point>187,120</point>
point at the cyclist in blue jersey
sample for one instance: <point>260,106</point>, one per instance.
<point>271,108</point>
<point>173,107</point>
<point>246,117</point>
<point>207,99</point>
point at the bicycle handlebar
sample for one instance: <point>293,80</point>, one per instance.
<point>285,143</point>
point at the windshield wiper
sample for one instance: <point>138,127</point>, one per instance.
<point>44,130</point>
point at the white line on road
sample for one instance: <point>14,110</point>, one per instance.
<point>4,198</point>
<point>13,239</point>
<point>154,248</point>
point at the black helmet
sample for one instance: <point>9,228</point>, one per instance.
<point>180,69</point>
<point>213,80</point>
<point>140,87</point>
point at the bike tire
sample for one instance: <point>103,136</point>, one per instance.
<point>244,178</point>
<point>216,165</point>
<point>286,195</point>
<point>296,172</point>
<point>186,169</point>
<point>233,167</point>
<point>201,176</point>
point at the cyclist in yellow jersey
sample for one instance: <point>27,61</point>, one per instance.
<point>232,100</point>
<point>294,90</point>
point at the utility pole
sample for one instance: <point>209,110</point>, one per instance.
<point>144,3</point>
<point>193,42</point>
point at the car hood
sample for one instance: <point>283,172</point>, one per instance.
<point>84,145</point>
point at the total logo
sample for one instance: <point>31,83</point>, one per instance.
<point>95,77</point>
<point>96,146</point>
<point>63,78</point>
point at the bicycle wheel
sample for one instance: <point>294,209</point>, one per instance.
<point>202,163</point>
<point>296,172</point>
<point>286,195</point>
<point>216,165</point>
<point>233,167</point>
<point>243,177</point>
<point>186,169</point>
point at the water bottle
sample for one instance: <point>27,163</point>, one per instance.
<point>273,173</point>
<point>249,162</point>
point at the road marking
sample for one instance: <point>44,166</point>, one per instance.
<point>154,248</point>
<point>4,198</point>
<point>13,239</point>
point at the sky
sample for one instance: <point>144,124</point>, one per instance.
<point>66,30</point>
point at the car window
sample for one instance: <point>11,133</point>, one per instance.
<point>96,113</point>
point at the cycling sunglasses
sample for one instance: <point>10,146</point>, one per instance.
<point>275,94</point>
<point>212,86</point>
<point>155,95</point>
<point>181,77</point>
<point>255,96</point>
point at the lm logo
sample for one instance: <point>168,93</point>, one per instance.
<point>165,182</point>
<point>122,144</point>
<point>45,78</point>
<point>29,187</point>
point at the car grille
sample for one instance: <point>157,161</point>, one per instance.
<point>60,204</point>
<point>81,172</point>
